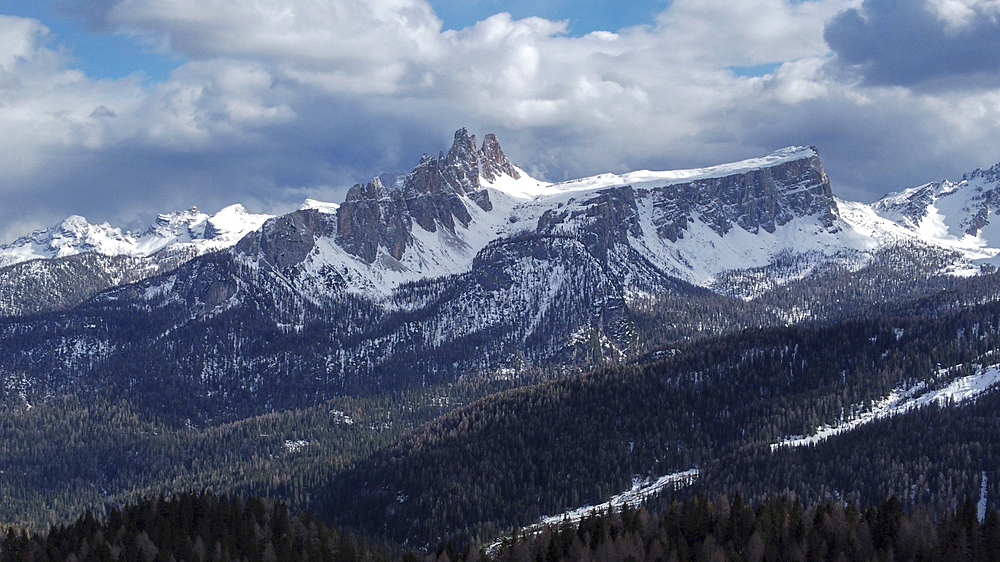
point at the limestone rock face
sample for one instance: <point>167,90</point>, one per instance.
<point>755,200</point>
<point>600,222</point>
<point>373,216</point>
<point>285,241</point>
<point>434,195</point>
<point>493,163</point>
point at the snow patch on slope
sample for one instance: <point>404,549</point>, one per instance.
<point>641,490</point>
<point>321,206</point>
<point>901,401</point>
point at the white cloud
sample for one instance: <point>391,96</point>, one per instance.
<point>44,106</point>
<point>959,14</point>
<point>283,99</point>
<point>346,45</point>
<point>801,80</point>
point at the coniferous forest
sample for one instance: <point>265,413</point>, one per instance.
<point>203,527</point>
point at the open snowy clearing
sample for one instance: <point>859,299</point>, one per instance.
<point>633,497</point>
<point>901,401</point>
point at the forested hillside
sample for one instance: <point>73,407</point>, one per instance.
<point>780,528</point>
<point>715,404</point>
<point>207,527</point>
<point>195,527</point>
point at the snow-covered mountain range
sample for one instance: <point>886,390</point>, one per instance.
<point>690,224</point>
<point>469,266</point>
<point>192,232</point>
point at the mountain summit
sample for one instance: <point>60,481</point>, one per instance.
<point>192,232</point>
<point>375,216</point>
<point>694,225</point>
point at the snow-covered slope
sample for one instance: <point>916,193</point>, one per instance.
<point>191,231</point>
<point>962,216</point>
<point>691,224</point>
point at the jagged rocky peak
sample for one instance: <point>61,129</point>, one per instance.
<point>371,190</point>
<point>461,170</point>
<point>493,163</point>
<point>189,224</point>
<point>433,196</point>
<point>909,207</point>
<point>964,208</point>
<point>989,175</point>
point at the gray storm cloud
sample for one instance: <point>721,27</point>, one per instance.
<point>913,42</point>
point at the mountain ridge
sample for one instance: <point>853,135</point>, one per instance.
<point>190,231</point>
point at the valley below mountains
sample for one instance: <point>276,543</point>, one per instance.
<point>460,350</point>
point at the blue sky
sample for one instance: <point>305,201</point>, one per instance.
<point>117,55</point>
<point>118,109</point>
<point>101,55</point>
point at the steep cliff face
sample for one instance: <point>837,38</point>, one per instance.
<point>600,221</point>
<point>373,216</point>
<point>285,241</point>
<point>755,200</point>
<point>435,194</point>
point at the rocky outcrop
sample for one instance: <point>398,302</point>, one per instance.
<point>984,201</point>
<point>285,241</point>
<point>978,195</point>
<point>600,222</point>
<point>433,196</point>
<point>493,163</point>
<point>370,217</point>
<point>910,207</point>
<point>755,200</point>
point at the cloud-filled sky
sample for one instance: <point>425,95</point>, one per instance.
<point>118,109</point>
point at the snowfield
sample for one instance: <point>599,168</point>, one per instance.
<point>641,490</point>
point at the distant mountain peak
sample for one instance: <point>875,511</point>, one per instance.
<point>463,170</point>
<point>990,175</point>
<point>963,215</point>
<point>196,232</point>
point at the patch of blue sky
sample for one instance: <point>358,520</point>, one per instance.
<point>100,55</point>
<point>755,71</point>
<point>584,16</point>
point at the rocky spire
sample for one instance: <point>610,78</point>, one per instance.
<point>433,195</point>
<point>493,163</point>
